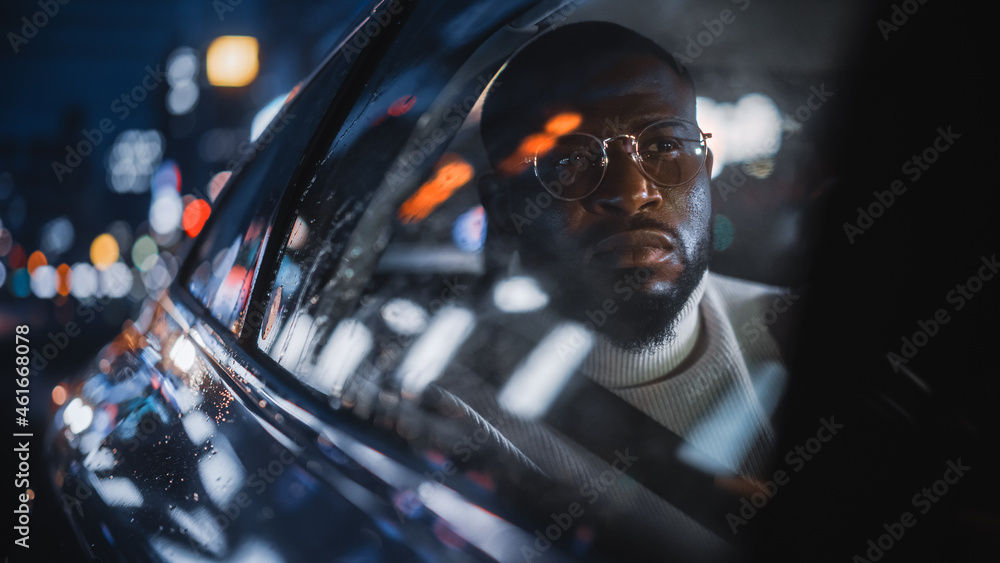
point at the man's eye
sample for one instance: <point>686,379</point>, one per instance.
<point>661,146</point>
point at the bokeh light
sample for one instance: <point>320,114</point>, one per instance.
<point>104,251</point>
<point>36,259</point>
<point>231,60</point>
<point>195,215</point>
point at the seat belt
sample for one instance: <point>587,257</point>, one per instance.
<point>611,428</point>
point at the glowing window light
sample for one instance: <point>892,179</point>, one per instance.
<point>59,394</point>
<point>231,60</point>
<point>519,294</point>
<point>194,217</point>
<point>104,251</point>
<point>116,280</point>
<point>36,259</point>
<point>453,173</point>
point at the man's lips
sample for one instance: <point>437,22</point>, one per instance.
<point>634,249</point>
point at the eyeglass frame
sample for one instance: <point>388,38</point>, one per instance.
<point>631,149</point>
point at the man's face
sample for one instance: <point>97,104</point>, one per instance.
<point>630,232</point>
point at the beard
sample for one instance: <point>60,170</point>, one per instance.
<point>642,320</point>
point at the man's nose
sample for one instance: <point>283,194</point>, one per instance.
<point>624,190</point>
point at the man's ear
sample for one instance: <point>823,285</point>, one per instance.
<point>496,199</point>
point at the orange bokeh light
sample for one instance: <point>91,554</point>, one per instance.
<point>453,172</point>
<point>63,279</point>
<point>563,123</point>
<point>36,259</point>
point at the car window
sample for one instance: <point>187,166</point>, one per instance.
<point>221,269</point>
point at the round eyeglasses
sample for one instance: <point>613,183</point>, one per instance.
<point>669,153</point>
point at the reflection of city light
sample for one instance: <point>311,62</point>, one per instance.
<point>453,172</point>
<point>300,233</point>
<point>402,105</point>
<point>265,115</point>
<point>84,280</point>
<point>104,251</point>
<point>541,377</point>
<point>194,217</point>
<point>3,273</point>
<point>217,183</point>
<point>563,123</point>
<point>231,60</point>
<point>341,356</point>
<point>183,353</point>
<point>430,354</point>
<point>469,231</point>
<point>404,316</point>
<point>77,416</point>
<point>519,294</point>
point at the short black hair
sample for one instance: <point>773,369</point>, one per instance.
<point>565,57</point>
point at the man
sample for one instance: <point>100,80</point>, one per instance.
<point>596,126</point>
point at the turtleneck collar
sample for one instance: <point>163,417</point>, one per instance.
<point>616,368</point>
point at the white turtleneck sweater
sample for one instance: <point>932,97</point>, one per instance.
<point>722,398</point>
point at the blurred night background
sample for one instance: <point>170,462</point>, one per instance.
<point>97,218</point>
